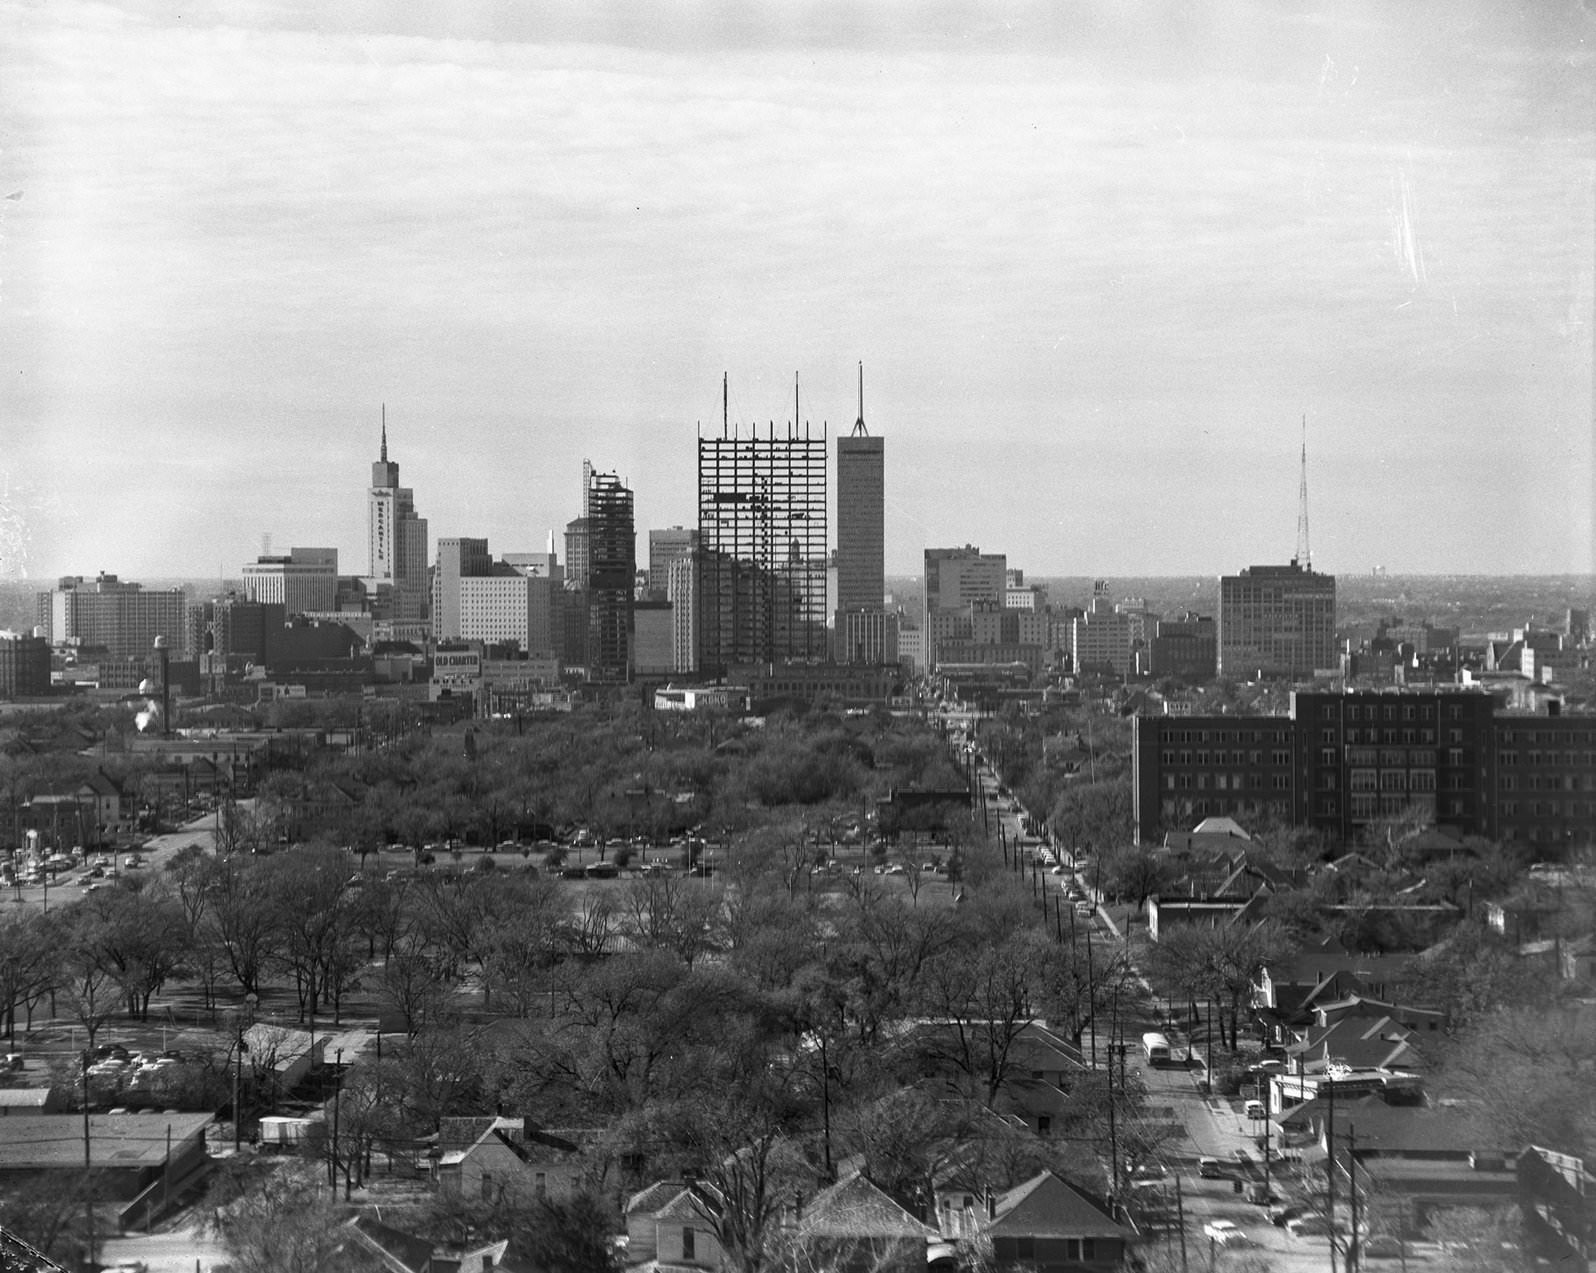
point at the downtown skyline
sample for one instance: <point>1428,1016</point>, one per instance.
<point>1098,268</point>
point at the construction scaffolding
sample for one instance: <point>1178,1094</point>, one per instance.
<point>762,548</point>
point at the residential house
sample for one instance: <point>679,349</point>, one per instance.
<point>1047,1225</point>
<point>488,1157</point>
<point>395,1251</point>
<point>1285,997</point>
<point>670,1226</point>
<point>856,1227</point>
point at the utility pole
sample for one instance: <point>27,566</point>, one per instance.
<point>88,1166</point>
<point>1180,1216</point>
<point>1353,1254</point>
<point>1330,1162</point>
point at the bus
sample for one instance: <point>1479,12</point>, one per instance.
<point>1155,1047</point>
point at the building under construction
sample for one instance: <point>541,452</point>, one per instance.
<point>762,547</point>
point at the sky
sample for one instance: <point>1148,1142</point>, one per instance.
<point>1106,265</point>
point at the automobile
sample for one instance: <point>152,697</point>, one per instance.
<point>1056,870</point>
<point>1224,1232</point>
<point>1312,1227</point>
<point>132,861</point>
<point>1243,1159</point>
<point>1255,1109</point>
<point>127,1266</point>
<point>1382,1246</point>
<point>1280,1214</point>
<point>1210,1168</point>
<point>1083,907</point>
<point>1149,1171</point>
<point>895,869</point>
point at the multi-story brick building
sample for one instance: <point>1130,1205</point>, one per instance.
<point>1342,760</point>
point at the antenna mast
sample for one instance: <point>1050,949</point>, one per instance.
<point>859,430</point>
<point>1304,555</point>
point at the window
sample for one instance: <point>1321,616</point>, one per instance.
<point>1024,1248</point>
<point>1044,1124</point>
<point>688,1252</point>
<point>540,1184</point>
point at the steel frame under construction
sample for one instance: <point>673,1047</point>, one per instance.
<point>762,545</point>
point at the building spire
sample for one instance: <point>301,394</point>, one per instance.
<point>384,456</point>
<point>859,430</point>
<point>1304,556</point>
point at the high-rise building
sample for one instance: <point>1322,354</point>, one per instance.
<point>762,555</point>
<point>305,581</point>
<point>1276,621</point>
<point>612,562</point>
<point>396,540</point>
<point>954,579</point>
<point>121,616</point>
<point>861,541</point>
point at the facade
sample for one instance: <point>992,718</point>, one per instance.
<point>1276,621</point>
<point>682,591</point>
<point>396,540</point>
<point>954,579</point>
<point>762,556</point>
<point>1342,760</point>
<point>577,533</point>
<point>861,543</point>
<point>666,547</point>
<point>653,644</point>
<point>1103,640</point>
<point>1186,649</point>
<point>121,616</point>
<point>612,561</point>
<point>24,665</point>
<point>305,581</point>
<point>458,560</point>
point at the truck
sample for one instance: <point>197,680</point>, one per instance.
<point>279,1133</point>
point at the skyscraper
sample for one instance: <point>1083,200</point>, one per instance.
<point>762,537</point>
<point>861,542</point>
<point>612,563</point>
<point>396,540</point>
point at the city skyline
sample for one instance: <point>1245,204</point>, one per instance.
<point>1098,265</point>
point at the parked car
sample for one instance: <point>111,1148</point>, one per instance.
<point>1255,1109</point>
<point>1382,1246</point>
<point>1312,1227</point>
<point>1210,1168</point>
<point>1278,1216</point>
<point>1225,1233</point>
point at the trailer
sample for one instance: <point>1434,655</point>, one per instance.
<point>279,1133</point>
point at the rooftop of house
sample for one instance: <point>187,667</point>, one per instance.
<point>1048,1206</point>
<point>855,1207</point>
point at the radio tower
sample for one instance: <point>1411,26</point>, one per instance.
<point>1304,556</point>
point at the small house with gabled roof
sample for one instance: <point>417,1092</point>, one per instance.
<point>1049,1225</point>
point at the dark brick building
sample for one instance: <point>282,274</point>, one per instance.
<point>1340,760</point>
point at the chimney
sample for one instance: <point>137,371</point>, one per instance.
<point>991,1204</point>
